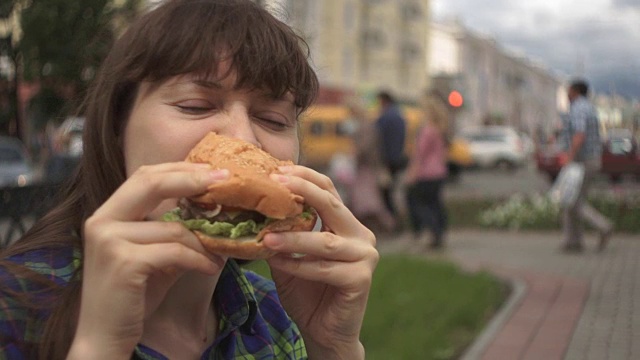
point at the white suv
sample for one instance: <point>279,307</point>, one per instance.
<point>495,146</point>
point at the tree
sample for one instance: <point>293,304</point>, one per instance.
<point>9,114</point>
<point>62,44</point>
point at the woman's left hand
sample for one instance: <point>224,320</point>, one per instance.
<point>326,291</point>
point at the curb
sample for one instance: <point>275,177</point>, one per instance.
<point>488,334</point>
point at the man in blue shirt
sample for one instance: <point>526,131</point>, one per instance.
<point>391,127</point>
<point>582,145</point>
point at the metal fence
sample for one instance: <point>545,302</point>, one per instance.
<point>19,203</point>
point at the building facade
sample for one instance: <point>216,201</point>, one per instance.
<point>364,45</point>
<point>498,87</point>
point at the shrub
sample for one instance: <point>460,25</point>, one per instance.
<point>537,212</point>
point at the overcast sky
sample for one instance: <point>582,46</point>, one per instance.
<point>596,39</point>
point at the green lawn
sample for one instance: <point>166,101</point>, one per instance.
<point>423,309</point>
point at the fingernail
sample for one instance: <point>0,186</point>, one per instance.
<point>219,174</point>
<point>285,169</point>
<point>280,178</point>
<point>273,240</point>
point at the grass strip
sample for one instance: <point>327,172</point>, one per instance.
<point>424,309</point>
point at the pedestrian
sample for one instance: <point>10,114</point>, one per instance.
<point>100,276</point>
<point>365,199</point>
<point>582,144</point>
<point>426,175</point>
<point>391,127</point>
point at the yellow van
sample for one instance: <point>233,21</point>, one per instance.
<point>325,131</point>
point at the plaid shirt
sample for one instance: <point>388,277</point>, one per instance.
<point>253,324</point>
<point>583,118</point>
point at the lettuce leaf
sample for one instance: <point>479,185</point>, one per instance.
<point>225,229</point>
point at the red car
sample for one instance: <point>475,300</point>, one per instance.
<point>620,156</point>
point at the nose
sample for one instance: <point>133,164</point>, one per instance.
<point>239,125</point>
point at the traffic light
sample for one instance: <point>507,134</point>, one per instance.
<point>455,99</point>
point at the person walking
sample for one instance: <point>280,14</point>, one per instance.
<point>426,175</point>
<point>582,145</point>
<point>391,126</point>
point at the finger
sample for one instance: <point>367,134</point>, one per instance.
<point>150,232</point>
<point>322,180</point>
<point>330,208</point>
<point>155,258</point>
<point>149,185</point>
<point>324,245</point>
<point>336,273</point>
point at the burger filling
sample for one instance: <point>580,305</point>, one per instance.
<point>217,220</point>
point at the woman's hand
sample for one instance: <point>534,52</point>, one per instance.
<point>129,264</point>
<point>326,291</point>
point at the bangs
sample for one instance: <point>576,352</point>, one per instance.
<point>195,36</point>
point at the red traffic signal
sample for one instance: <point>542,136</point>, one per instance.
<point>455,99</point>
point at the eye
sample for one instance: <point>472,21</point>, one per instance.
<point>272,122</point>
<point>194,107</point>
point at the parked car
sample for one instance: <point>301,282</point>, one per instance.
<point>16,168</point>
<point>495,146</point>
<point>528,145</point>
<point>620,156</point>
<point>70,136</point>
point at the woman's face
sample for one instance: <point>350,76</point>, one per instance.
<point>168,119</point>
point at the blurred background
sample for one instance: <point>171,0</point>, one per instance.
<point>502,68</point>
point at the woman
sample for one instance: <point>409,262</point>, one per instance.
<point>426,175</point>
<point>101,276</point>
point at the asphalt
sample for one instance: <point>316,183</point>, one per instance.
<point>579,306</point>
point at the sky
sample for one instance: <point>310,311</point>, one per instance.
<point>598,40</point>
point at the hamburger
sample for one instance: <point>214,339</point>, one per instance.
<point>234,215</point>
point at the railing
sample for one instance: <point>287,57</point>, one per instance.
<point>21,202</point>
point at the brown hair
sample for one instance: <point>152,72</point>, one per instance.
<point>178,37</point>
<point>436,111</point>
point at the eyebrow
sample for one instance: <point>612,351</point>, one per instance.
<point>207,84</point>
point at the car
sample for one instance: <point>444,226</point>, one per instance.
<point>528,145</point>
<point>495,146</point>
<point>620,157</point>
<point>70,136</point>
<point>16,168</point>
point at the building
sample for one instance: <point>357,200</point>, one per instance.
<point>498,86</point>
<point>363,45</point>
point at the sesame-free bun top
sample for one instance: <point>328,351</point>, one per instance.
<point>249,186</point>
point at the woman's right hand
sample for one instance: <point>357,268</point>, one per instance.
<point>130,263</point>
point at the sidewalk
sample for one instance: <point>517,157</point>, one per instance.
<point>564,307</point>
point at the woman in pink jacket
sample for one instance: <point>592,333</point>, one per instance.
<point>426,175</point>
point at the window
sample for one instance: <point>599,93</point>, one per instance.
<point>345,128</point>
<point>620,146</point>
<point>316,128</point>
<point>8,156</point>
